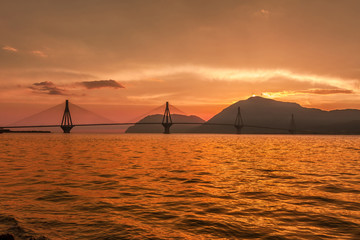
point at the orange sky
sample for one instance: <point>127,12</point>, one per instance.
<point>200,55</point>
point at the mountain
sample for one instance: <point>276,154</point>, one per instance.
<point>258,111</point>
<point>273,116</point>
<point>158,128</point>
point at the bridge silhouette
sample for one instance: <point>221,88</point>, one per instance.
<point>67,124</point>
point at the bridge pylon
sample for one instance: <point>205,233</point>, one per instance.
<point>167,121</point>
<point>292,128</point>
<point>66,122</point>
<point>239,123</point>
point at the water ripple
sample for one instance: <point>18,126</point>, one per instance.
<point>179,187</point>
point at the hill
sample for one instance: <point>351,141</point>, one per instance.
<point>158,128</point>
<point>264,112</point>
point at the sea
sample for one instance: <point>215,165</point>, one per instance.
<point>179,186</point>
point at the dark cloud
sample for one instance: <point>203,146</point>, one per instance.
<point>327,91</point>
<point>47,87</point>
<point>102,83</point>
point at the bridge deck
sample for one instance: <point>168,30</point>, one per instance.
<point>158,123</point>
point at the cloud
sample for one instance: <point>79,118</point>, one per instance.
<point>10,49</point>
<point>308,91</point>
<point>150,96</point>
<point>328,91</point>
<point>241,75</point>
<point>28,76</point>
<point>39,53</point>
<point>47,87</point>
<point>262,13</point>
<point>101,84</point>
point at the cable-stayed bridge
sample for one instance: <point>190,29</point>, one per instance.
<point>93,119</point>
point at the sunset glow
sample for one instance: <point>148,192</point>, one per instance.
<point>182,56</point>
<point>179,119</point>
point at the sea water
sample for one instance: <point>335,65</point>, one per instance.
<point>179,186</point>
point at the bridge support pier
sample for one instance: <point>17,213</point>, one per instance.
<point>167,121</point>
<point>239,124</point>
<point>292,128</point>
<point>238,129</point>
<point>66,129</point>
<point>166,129</point>
<point>66,122</point>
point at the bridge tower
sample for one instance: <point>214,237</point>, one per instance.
<point>292,128</point>
<point>166,121</point>
<point>66,122</point>
<point>239,123</point>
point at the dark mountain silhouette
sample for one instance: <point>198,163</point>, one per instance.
<point>264,112</point>
<point>158,128</point>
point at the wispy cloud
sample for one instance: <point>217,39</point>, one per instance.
<point>262,13</point>
<point>308,91</point>
<point>327,91</point>
<point>241,75</point>
<point>150,96</point>
<point>101,84</point>
<point>10,49</point>
<point>39,53</point>
<point>47,88</point>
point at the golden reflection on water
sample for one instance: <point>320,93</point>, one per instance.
<point>182,186</point>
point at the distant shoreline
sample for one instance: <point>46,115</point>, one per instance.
<point>9,131</point>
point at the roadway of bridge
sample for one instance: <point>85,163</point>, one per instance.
<point>155,123</point>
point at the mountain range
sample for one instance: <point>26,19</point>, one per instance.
<point>271,115</point>
<point>258,111</point>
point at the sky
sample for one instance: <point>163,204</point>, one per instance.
<point>122,58</point>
